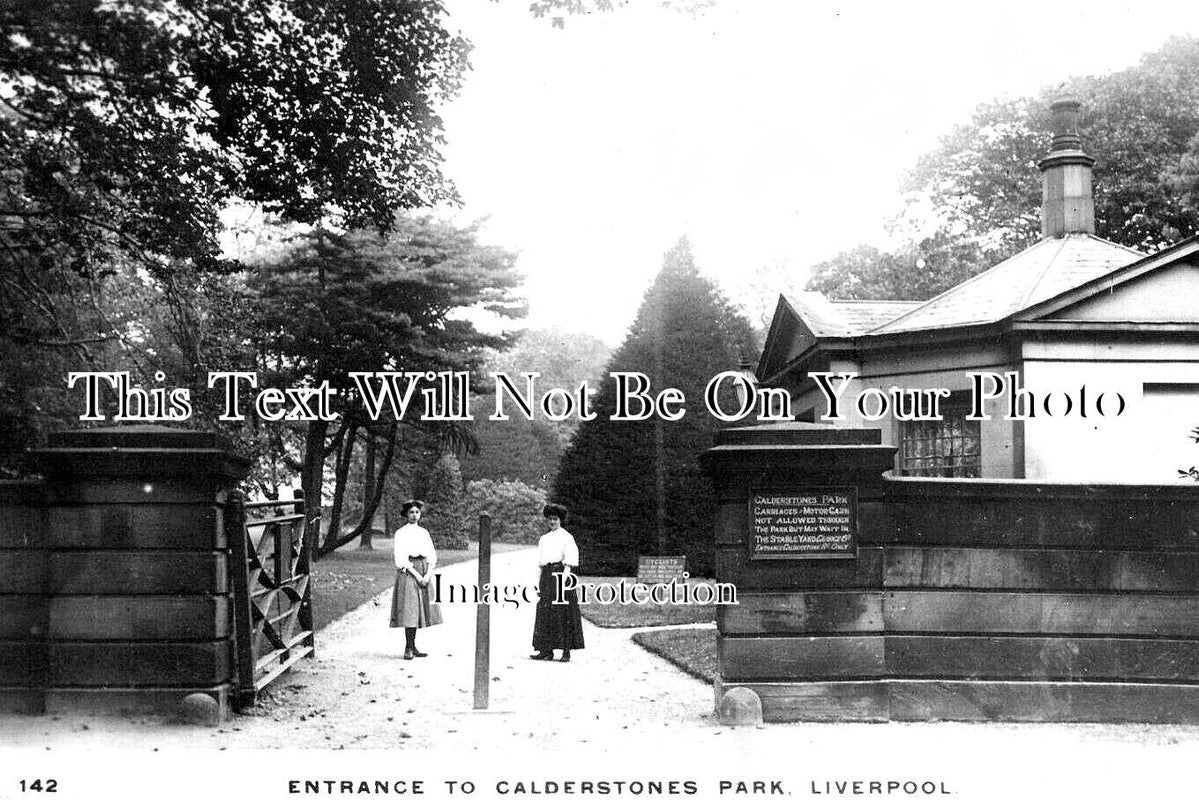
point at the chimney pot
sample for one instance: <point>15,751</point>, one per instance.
<point>1067,203</point>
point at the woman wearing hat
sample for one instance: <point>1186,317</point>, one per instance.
<point>415,559</point>
<point>558,626</point>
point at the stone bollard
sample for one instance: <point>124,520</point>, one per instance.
<point>200,709</point>
<point>740,707</point>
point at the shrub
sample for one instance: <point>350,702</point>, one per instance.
<point>514,506</point>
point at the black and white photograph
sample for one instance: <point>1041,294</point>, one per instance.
<point>598,398</point>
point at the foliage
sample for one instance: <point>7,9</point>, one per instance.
<point>357,302</point>
<point>635,488</point>
<point>1191,472</point>
<point>514,449</point>
<point>980,189</point>
<point>130,125</point>
<point>126,129</point>
<point>917,272</point>
<point>444,513</point>
<point>558,10</point>
<point>515,509</point>
<point>528,450</point>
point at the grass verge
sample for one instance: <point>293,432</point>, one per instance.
<point>618,615</point>
<point>692,650</point>
<point>349,577</point>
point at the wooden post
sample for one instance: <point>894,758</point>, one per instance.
<point>243,626</point>
<point>483,617</point>
<point>304,565</point>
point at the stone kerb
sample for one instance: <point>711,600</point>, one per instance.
<point>136,595</point>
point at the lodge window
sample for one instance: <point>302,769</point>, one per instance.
<point>947,448</point>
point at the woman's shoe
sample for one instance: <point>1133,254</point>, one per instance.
<point>543,657</point>
<point>408,654</point>
<point>418,653</point>
<point>565,657</point>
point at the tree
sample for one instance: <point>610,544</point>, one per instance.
<point>125,130</point>
<point>130,125</point>
<point>529,450</point>
<point>917,272</point>
<point>636,487</point>
<point>980,189</point>
<point>358,302</point>
<point>1139,124</point>
<point>445,514</point>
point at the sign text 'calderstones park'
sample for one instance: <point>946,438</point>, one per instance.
<point>820,523</point>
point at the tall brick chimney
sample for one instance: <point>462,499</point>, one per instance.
<point>1066,202</point>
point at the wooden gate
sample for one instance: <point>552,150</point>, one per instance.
<point>272,608</point>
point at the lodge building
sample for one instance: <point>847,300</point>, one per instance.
<point>1074,314</point>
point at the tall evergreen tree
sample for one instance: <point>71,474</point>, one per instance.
<point>635,488</point>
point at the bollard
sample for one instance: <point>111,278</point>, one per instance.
<point>483,617</point>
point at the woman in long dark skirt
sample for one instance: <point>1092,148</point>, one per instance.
<point>558,626</point>
<point>415,559</point>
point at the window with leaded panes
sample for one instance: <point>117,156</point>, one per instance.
<point>947,448</point>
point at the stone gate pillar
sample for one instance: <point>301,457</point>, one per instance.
<point>136,591</point>
<point>788,502</point>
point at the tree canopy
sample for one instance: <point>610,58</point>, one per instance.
<point>358,302</point>
<point>128,126</point>
<point>980,189</point>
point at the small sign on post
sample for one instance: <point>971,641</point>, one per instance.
<point>813,523</point>
<point>483,618</point>
<point>661,569</point>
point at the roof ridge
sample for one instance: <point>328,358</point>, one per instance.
<point>1132,250</point>
<point>1044,271</point>
<point>859,300</point>
<point>955,288</point>
<point>819,297</point>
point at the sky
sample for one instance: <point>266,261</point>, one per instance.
<point>772,134</point>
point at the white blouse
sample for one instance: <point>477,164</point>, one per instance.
<point>413,540</point>
<point>557,546</point>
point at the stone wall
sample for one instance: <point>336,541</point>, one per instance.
<point>967,599</point>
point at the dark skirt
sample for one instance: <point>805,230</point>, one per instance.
<point>557,627</point>
<point>410,604</point>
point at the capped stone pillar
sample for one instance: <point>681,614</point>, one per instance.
<point>137,592</point>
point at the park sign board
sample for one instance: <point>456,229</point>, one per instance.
<point>661,569</point>
<point>820,522</point>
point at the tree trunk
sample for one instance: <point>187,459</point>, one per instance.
<point>368,486</point>
<point>311,482</point>
<point>341,472</point>
<point>331,543</point>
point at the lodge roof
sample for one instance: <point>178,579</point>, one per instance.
<point>826,317</point>
<point>1045,270</point>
